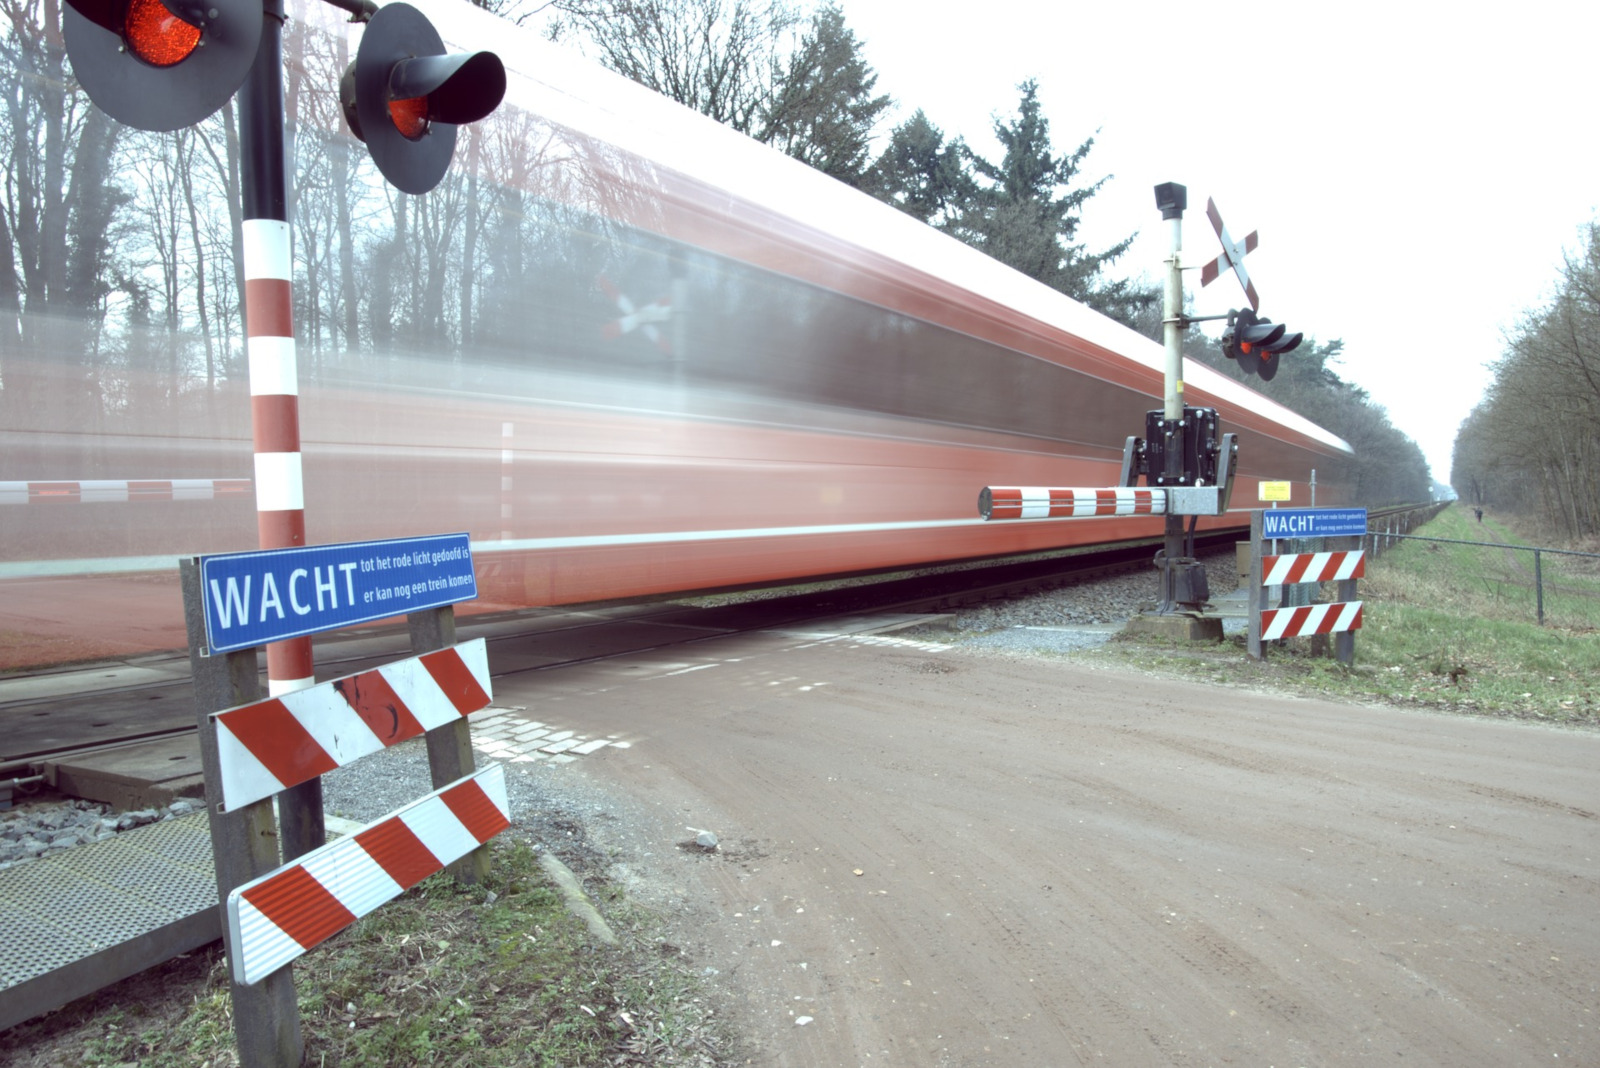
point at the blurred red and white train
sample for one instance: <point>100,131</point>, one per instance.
<point>695,364</point>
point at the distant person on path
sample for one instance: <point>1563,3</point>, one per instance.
<point>1479,513</point>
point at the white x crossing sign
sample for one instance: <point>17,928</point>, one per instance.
<point>1232,256</point>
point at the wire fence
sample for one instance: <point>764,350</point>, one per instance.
<point>1555,587</point>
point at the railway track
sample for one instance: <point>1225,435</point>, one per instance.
<point>61,716</point>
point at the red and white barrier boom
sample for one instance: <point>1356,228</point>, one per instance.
<point>1271,571</point>
<point>124,490</point>
<point>1050,502</point>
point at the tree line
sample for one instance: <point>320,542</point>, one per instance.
<point>120,279</point>
<point>1531,445</point>
<point>801,83</point>
<point>1388,467</point>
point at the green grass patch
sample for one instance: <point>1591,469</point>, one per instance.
<point>1487,581</point>
<point>1445,626</point>
<point>497,974</point>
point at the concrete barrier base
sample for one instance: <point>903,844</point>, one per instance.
<point>1178,626</point>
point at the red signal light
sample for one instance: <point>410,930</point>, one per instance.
<point>1254,341</point>
<point>410,117</point>
<point>161,64</point>
<point>157,36</point>
<point>405,96</point>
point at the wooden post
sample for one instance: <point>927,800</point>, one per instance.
<point>1258,592</point>
<point>244,843</point>
<point>449,746</point>
<point>1345,641</point>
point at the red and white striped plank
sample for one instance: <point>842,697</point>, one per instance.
<point>1279,623</point>
<point>1291,568</point>
<point>271,745</point>
<point>1039,502</point>
<point>122,490</point>
<point>278,917</point>
<point>275,420</point>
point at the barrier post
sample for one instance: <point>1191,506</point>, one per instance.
<point>450,746</point>
<point>255,748</point>
<point>244,841</point>
<point>1344,646</point>
<point>1258,592</point>
<point>1290,570</point>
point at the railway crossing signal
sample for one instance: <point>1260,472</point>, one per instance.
<point>404,96</point>
<point>1255,343</point>
<point>1232,257</point>
<point>161,64</point>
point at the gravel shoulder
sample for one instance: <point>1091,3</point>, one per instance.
<point>945,856</point>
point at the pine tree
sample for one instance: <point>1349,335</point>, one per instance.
<point>1025,212</point>
<point>823,111</point>
<point>919,173</point>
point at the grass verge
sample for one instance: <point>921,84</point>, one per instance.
<point>1442,629</point>
<point>497,974</point>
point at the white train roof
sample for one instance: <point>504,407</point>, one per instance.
<point>565,88</point>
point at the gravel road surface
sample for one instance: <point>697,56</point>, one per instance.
<point>935,855</point>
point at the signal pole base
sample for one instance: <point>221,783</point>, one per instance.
<point>1176,626</point>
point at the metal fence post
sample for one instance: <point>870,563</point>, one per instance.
<point>1538,584</point>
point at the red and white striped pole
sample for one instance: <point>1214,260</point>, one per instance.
<point>266,1017</point>
<point>275,420</point>
<point>274,378</point>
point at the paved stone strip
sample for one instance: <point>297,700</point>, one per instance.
<point>502,734</point>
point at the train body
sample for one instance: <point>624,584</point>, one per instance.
<point>677,361</point>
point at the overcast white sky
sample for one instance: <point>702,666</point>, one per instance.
<point>1415,169</point>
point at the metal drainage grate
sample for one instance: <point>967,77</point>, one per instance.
<point>72,907</point>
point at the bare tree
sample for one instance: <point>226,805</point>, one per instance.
<point>1533,444</point>
<point>59,202</point>
<point>721,57</point>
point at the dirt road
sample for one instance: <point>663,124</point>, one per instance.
<point>934,857</point>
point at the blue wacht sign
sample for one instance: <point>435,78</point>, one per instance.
<point>253,598</point>
<point>1313,522</point>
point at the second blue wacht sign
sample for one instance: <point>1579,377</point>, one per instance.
<point>1313,522</point>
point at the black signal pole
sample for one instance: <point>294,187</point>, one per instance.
<point>264,181</point>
